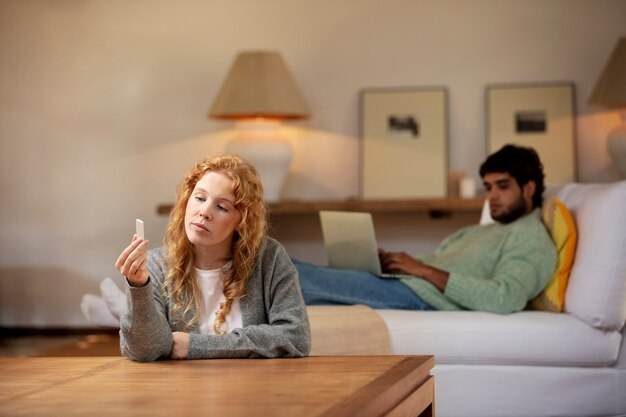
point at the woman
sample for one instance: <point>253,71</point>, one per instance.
<point>219,288</point>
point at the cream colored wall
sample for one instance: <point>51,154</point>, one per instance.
<point>103,107</point>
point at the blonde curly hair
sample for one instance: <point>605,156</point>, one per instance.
<point>181,279</point>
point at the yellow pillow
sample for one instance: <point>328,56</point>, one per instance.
<point>562,228</point>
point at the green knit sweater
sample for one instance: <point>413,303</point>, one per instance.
<point>495,268</point>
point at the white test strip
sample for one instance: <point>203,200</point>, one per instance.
<point>139,226</point>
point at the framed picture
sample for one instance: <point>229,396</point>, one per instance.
<point>540,116</point>
<point>404,146</point>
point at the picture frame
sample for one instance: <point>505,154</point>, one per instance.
<point>404,143</point>
<point>540,116</point>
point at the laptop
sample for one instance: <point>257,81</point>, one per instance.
<point>351,242</point>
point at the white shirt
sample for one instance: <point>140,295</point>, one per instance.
<point>212,291</point>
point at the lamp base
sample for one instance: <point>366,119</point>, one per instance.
<point>270,154</point>
<point>616,144</point>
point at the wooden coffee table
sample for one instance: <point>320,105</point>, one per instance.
<point>313,386</point>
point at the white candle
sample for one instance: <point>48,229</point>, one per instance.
<point>467,187</point>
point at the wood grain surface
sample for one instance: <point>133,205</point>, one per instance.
<point>312,386</point>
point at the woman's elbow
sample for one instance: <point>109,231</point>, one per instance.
<point>299,343</point>
<point>304,349</point>
<point>303,343</point>
<point>141,353</point>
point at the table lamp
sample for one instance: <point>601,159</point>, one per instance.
<point>258,93</point>
<point>610,91</point>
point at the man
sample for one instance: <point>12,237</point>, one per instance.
<point>495,268</point>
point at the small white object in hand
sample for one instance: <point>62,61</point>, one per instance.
<point>139,229</point>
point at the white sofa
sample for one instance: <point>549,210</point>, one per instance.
<point>538,363</point>
<point>527,364</point>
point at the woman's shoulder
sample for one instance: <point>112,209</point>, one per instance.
<point>272,252</point>
<point>271,246</point>
<point>270,243</point>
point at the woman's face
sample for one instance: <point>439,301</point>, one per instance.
<point>211,218</point>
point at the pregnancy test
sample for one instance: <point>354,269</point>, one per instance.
<point>139,229</point>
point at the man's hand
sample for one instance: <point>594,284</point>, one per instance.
<point>180,347</point>
<point>400,263</point>
<point>403,263</point>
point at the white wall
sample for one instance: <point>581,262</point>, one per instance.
<point>103,107</point>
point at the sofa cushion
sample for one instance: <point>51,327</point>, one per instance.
<point>596,292</point>
<point>562,228</point>
<point>524,338</point>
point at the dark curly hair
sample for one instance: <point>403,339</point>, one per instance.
<point>521,163</point>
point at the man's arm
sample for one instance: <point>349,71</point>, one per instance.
<point>497,271</point>
<point>523,268</point>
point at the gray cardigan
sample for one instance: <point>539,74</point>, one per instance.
<point>274,318</point>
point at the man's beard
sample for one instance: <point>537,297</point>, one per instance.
<point>514,212</point>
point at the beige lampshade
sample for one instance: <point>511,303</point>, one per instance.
<point>610,90</point>
<point>259,84</point>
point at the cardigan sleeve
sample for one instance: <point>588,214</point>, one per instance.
<point>145,334</point>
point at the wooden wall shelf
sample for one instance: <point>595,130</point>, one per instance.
<point>433,206</point>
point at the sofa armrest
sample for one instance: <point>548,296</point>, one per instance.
<point>347,330</point>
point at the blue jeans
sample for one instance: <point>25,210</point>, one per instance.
<point>328,286</point>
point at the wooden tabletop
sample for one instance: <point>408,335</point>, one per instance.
<point>313,386</point>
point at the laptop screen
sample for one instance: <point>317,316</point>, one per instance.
<point>350,241</point>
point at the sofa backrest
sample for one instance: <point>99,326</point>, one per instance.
<point>596,292</point>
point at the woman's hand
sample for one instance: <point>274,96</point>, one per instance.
<point>180,346</point>
<point>132,262</point>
